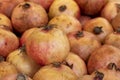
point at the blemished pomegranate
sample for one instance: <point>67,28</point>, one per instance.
<point>25,35</point>
<point>66,23</point>
<point>102,57</point>
<point>83,43</point>
<point>91,7</point>
<point>47,45</point>
<point>116,22</point>
<point>6,68</point>
<point>44,3</point>
<point>18,76</point>
<point>27,15</point>
<point>99,26</point>
<point>76,64</point>
<point>55,71</point>
<point>109,73</point>
<point>113,39</point>
<point>8,42</point>
<point>68,7</point>
<point>7,6</point>
<point>23,62</point>
<point>111,9</point>
<point>5,22</point>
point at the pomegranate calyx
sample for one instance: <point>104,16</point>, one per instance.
<point>22,49</point>
<point>112,66</point>
<point>56,64</point>
<point>62,8</point>
<point>97,30</point>
<point>79,34</point>
<point>26,6</point>
<point>21,77</point>
<point>118,7</point>
<point>2,58</point>
<point>48,27</point>
<point>118,30</point>
<point>98,76</point>
<point>69,65</point>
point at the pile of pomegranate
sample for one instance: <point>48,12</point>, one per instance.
<point>59,39</point>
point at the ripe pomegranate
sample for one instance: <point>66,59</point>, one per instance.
<point>18,76</point>
<point>99,26</point>
<point>7,6</point>
<point>68,7</point>
<point>47,45</point>
<point>27,15</point>
<point>83,43</point>
<point>76,64</point>
<point>25,35</point>
<point>111,9</point>
<point>91,7</point>
<point>26,65</point>
<point>8,42</point>
<point>6,68</point>
<point>66,23</point>
<point>109,73</point>
<point>84,19</point>
<point>102,57</point>
<point>115,22</point>
<point>44,3</point>
<point>5,22</point>
<point>55,71</point>
<point>113,39</point>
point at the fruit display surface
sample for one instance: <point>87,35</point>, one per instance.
<point>59,39</point>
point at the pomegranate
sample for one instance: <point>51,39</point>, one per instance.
<point>76,64</point>
<point>115,22</point>
<point>18,76</point>
<point>27,15</point>
<point>6,68</point>
<point>83,43</point>
<point>109,73</point>
<point>68,7</point>
<point>26,65</point>
<point>99,26</point>
<point>84,19</point>
<point>111,9</point>
<point>102,57</point>
<point>66,23</point>
<point>5,22</point>
<point>44,3</point>
<point>7,6</point>
<point>113,39</point>
<point>47,45</point>
<point>8,42</point>
<point>25,35</point>
<point>55,71</point>
<point>91,7</point>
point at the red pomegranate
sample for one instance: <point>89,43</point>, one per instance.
<point>47,45</point>
<point>101,57</point>
<point>7,6</point>
<point>68,7</point>
<point>27,15</point>
<point>8,42</point>
<point>91,7</point>
<point>66,23</point>
<point>83,43</point>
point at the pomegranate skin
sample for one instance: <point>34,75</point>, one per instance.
<point>8,42</point>
<point>68,7</point>
<point>102,57</point>
<point>47,46</point>
<point>7,6</point>
<point>27,15</point>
